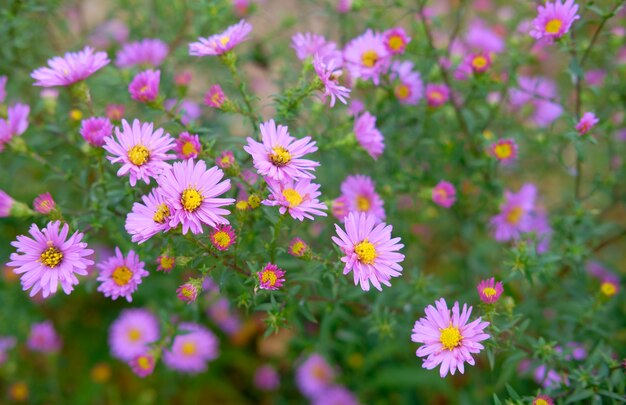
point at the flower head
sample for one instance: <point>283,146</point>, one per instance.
<point>340,209</point>
<point>409,88</point>
<point>266,378</point>
<point>437,94</point>
<point>448,338</point>
<point>308,44</point>
<point>515,214</point>
<point>271,277</point>
<point>298,198</point>
<point>142,152</point>
<point>314,375</point>
<point>554,20</point>
<point>187,146</point>
<point>298,247</point>
<point>396,40</point>
<point>367,56</point>
<point>360,195</point>
<point>370,252</point>
<point>132,332</point>
<point>71,68</point>
<point>215,96</point>
<point>335,395</point>
<point>147,219</point>
<point>115,112</point>
<point>145,86</point>
<point>43,338</point>
<point>187,292</point>
<point>50,258</point>
<point>192,349</point>
<point>222,237</point>
<point>165,263</point>
<point>15,124</point>
<point>44,204</point>
<point>120,276</point>
<point>489,291</point>
<point>225,160</point>
<point>143,364</point>
<point>95,129</point>
<point>504,150</point>
<point>588,121</point>
<point>368,136</point>
<point>543,400</point>
<point>6,203</point>
<point>148,51</point>
<point>221,43</point>
<point>609,287</point>
<point>279,156</point>
<point>444,194</point>
<point>329,75</point>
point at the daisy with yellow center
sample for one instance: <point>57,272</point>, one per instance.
<point>223,237</point>
<point>120,276</point>
<point>165,263</point>
<point>609,288</point>
<point>187,146</point>
<point>193,347</point>
<point>299,199</point>
<point>271,277</point>
<point>298,247</point>
<point>504,150</point>
<point>489,291</point>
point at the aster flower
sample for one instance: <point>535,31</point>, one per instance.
<point>225,160</point>
<point>360,194</point>
<point>145,86</point>
<point>215,96</point>
<point>193,192</point>
<point>339,208</point>
<point>44,204</point>
<point>489,291</point>
<point>409,88</point>
<point>448,338</point>
<point>120,276</point>
<point>609,287</point>
<point>298,247</point>
<point>187,146</point>
<point>542,400</point>
<point>368,136</point>
<point>187,293</point>
<point>192,349</point>
<point>165,263</point>
<point>71,68</point>
<point>588,121</point>
<point>329,75</point>
<point>50,258</point>
<point>43,338</point>
<point>15,124</point>
<point>95,129</point>
<point>505,150</point>
<point>183,79</point>
<point>554,20</point>
<point>6,203</point>
<point>475,63</point>
<point>314,376</point>
<point>444,194</point>
<point>148,51</point>
<point>370,252</point>
<point>279,156</point>
<point>115,112</point>
<point>141,151</point>
<point>221,43</point>
<point>147,219</point>
<point>266,378</point>
<point>308,44</point>
<point>220,313</point>
<point>298,198</point>
<point>483,38</point>
<point>271,277</point>
<point>515,214</point>
<point>549,378</point>
<point>437,94</point>
<point>132,333</point>
<point>222,237</point>
<point>396,40</point>
<point>114,30</point>
<point>366,57</point>
<point>142,365</point>
<point>335,395</point>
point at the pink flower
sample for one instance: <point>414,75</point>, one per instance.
<point>43,338</point>
<point>444,194</point>
<point>396,40</point>
<point>409,88</point>
<point>3,90</point>
<point>449,340</point>
<point>132,332</point>
<point>266,378</point>
<point>360,195</point>
<point>148,51</point>
<point>328,73</point>
<point>192,349</point>
<point>489,291</point>
<point>480,37</point>
<point>95,129</point>
<point>187,146</point>
<point>44,204</point>
<point>271,277</point>
<point>187,292</point>
<point>588,121</point>
<point>437,94</point>
<point>165,263</point>
<point>6,203</point>
<point>370,252</point>
<point>308,44</point>
<point>505,150</point>
<point>115,112</point>
<point>475,63</point>
<point>142,365</point>
<point>367,57</point>
<point>368,136</point>
<point>537,91</point>
<point>222,237</point>
<point>515,215</point>
<point>15,124</point>
<point>215,96</point>
<point>542,400</point>
<point>298,198</point>
<point>147,219</point>
<point>71,68</point>
<point>314,376</point>
<point>120,276</point>
<point>145,86</point>
<point>221,43</point>
<point>554,20</point>
<point>225,160</point>
<point>183,79</point>
<point>339,208</point>
<point>298,247</point>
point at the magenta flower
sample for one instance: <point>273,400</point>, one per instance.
<point>221,43</point>
<point>145,86</point>
<point>15,124</point>
<point>480,37</point>
<point>192,349</point>
<point>367,57</point>
<point>187,293</point>
<point>298,198</point>
<point>588,121</point>
<point>148,51</point>
<point>183,79</point>
<point>515,215</point>
<point>279,157</point>
<point>409,88</point>
<point>549,378</point>
<point>298,247</point>
<point>6,203</point>
<point>360,194</point>
<point>339,208</point>
<point>489,291</point>
<point>95,129</point>
<point>43,338</point>
<point>222,237</point>
<point>444,194</point>
<point>71,68</point>
<point>225,160</point>
<point>368,136</point>
<point>120,276</point>
<point>542,400</point>
<point>505,150</point>
<point>448,338</point>
<point>271,277</point>
<point>44,204</point>
<point>132,332</point>
<point>266,378</point>
<point>308,44</point>
<point>143,153</point>
<point>437,94</point>
<point>215,96</point>
<point>142,365</point>
<point>187,146</point>
<point>50,258</point>
<point>193,192</point>
<point>329,74</point>
<point>165,263</point>
<point>147,219</point>
<point>475,63</point>
<point>115,112</point>
<point>554,20</point>
<point>370,252</point>
<point>396,40</point>
<point>314,376</point>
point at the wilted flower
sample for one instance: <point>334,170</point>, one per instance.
<point>187,292</point>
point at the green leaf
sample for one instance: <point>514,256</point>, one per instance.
<point>512,392</point>
<point>579,395</point>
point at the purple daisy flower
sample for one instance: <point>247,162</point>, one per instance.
<point>43,338</point>
<point>505,150</point>
<point>50,258</point>
<point>588,121</point>
<point>142,152</point>
<point>44,204</point>
<point>437,94</point>
<point>143,365</point>
<point>187,146</point>
<point>279,156</point>
<point>215,96</point>
<point>444,194</point>
<point>299,198</point>
<point>314,376</point>
<point>147,219</point>
<point>308,44</point>
<point>266,378</point>
<point>490,291</point>
<point>554,20</point>
<point>360,196</point>
<point>448,338</point>
<point>328,73</point>
<point>132,332</point>
<point>368,135</point>
<point>192,349</point>
<point>145,86</point>
<point>193,192</point>
<point>95,129</point>
<point>187,292</point>
<point>409,88</point>
<point>120,276</point>
<point>6,203</point>
<point>370,252</point>
<point>221,43</point>
<point>222,237</point>
<point>396,40</point>
<point>335,395</point>
<point>367,57</point>
<point>71,68</point>
<point>15,124</point>
<point>515,214</point>
<point>271,277</point>
<point>148,51</point>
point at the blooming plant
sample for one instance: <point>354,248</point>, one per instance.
<point>336,203</point>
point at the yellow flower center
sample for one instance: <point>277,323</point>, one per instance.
<point>134,335</point>
<point>479,62</point>
<point>191,199</point>
<point>554,26</point>
<point>242,205</point>
<point>143,89</point>
<point>293,197</point>
<point>143,362</point>
<point>122,275</point>
<point>607,288</point>
<point>366,252</point>
<point>222,239</point>
<point>187,291</point>
<point>280,157</point>
<point>369,58</point>
<point>45,205</point>
<point>167,262</point>
<point>363,203</point>
<point>441,194</point>
<point>138,155</point>
<point>161,214</point>
<point>51,257</point>
<point>450,337</point>
<point>540,401</point>
<point>503,151</point>
<point>402,91</point>
<point>189,348</point>
<point>514,215</point>
<point>298,248</point>
<point>76,115</point>
<point>487,134</point>
<point>489,292</point>
<point>216,98</point>
<point>436,96</point>
<point>224,40</point>
<point>269,277</point>
<point>226,160</point>
<point>189,149</point>
<point>396,42</point>
<point>254,201</point>
<point>319,372</point>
